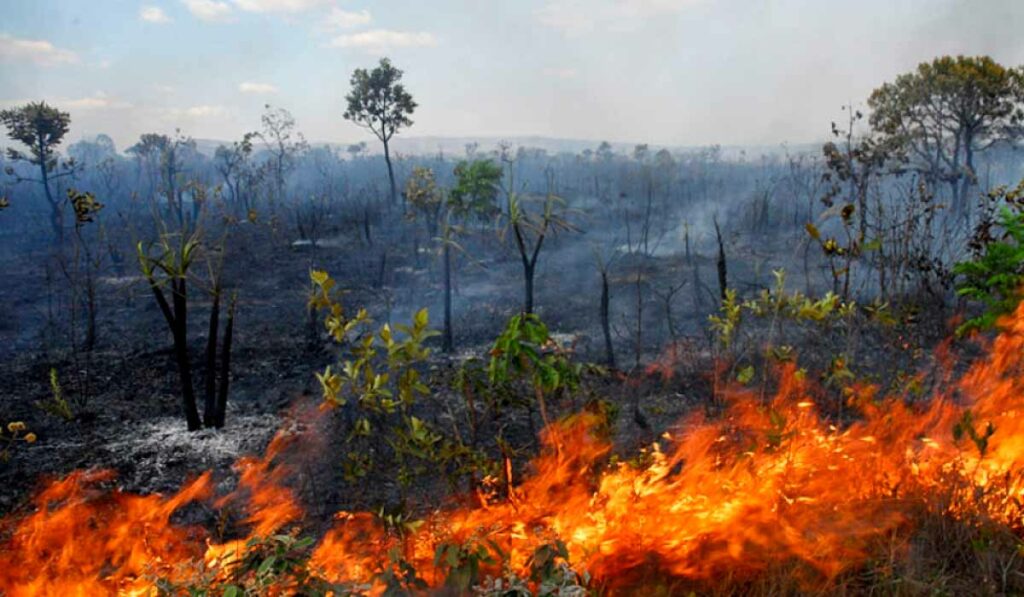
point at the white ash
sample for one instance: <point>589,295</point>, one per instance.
<point>159,451</point>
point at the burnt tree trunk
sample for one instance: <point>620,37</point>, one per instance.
<point>605,321</point>
<point>179,326</point>
<point>447,341</point>
<point>225,367</point>
<point>56,216</point>
<point>210,402</point>
<point>528,271</point>
<point>391,174</point>
<point>723,282</point>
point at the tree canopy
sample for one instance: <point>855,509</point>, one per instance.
<point>945,111</point>
<point>378,101</point>
<point>476,188</point>
<point>39,127</point>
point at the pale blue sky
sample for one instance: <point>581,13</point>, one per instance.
<point>679,72</point>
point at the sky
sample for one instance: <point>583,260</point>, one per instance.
<point>665,72</point>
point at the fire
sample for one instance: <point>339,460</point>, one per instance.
<point>766,484</point>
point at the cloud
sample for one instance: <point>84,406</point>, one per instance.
<point>343,19</point>
<point>176,116</point>
<point>574,17</point>
<point>204,111</point>
<point>41,52</point>
<point>208,10</point>
<point>378,40</point>
<point>257,88</point>
<point>221,10</point>
<point>96,101</point>
<point>289,6</point>
<point>153,14</point>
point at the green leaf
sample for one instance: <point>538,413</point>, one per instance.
<point>266,565</point>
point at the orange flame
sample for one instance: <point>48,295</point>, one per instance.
<point>764,484</point>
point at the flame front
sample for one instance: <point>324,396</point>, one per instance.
<point>764,485</point>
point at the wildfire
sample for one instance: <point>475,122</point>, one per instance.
<point>766,483</point>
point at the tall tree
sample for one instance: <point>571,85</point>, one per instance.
<point>379,102</point>
<point>946,112</point>
<point>41,128</point>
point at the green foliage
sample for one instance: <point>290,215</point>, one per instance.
<point>840,255</point>
<point>175,255</point>
<point>948,105</point>
<point>85,205</point>
<point>378,101</point>
<point>39,127</point>
<point>779,303</point>
<point>274,565</point>
<point>381,383</point>
<point>965,427</point>
<point>828,314</point>
<point>57,405</point>
<point>725,323</point>
<point>745,375</point>
<point>476,189</point>
<point>424,196</point>
<point>525,350</point>
<point>279,561</point>
<point>995,276</point>
<point>550,575</point>
<point>461,562</point>
<point>399,577</point>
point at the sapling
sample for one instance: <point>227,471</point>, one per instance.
<point>530,230</point>
<point>170,267</point>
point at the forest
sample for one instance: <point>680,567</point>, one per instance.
<point>270,366</point>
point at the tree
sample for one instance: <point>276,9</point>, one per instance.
<point>995,272</point>
<point>232,163</point>
<point>147,154</point>
<point>475,193</point>
<point>851,165</point>
<point>167,268</point>
<point>474,196</point>
<point>379,102</point>
<point>356,149</point>
<point>604,260</point>
<point>530,230</point>
<point>86,263</point>
<point>91,153</point>
<point>943,114</point>
<point>41,128</point>
<point>424,197</point>
<point>166,156</point>
<point>173,262</point>
<point>278,131</point>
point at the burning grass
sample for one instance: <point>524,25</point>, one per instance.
<point>770,497</point>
